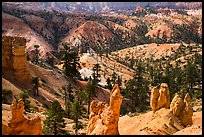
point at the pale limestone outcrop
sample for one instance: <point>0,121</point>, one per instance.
<point>19,124</point>
<point>14,59</point>
<point>103,119</point>
<point>160,98</point>
<point>182,109</point>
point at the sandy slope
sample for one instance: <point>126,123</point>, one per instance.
<point>134,125</point>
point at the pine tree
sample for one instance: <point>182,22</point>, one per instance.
<point>24,96</point>
<point>96,76</point>
<point>35,81</point>
<point>113,79</point>
<point>68,98</point>
<point>36,53</point>
<point>90,89</point>
<point>76,113</point>
<point>109,86</point>
<point>71,61</point>
<point>54,123</point>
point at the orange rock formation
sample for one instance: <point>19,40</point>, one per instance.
<point>14,59</point>
<point>160,98</point>
<point>103,119</point>
<point>182,109</point>
<point>20,125</point>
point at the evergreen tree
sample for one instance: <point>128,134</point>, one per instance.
<point>137,88</point>
<point>76,113</point>
<point>109,86</point>
<point>54,123</point>
<point>24,96</point>
<point>90,89</point>
<point>68,98</point>
<point>114,76</point>
<point>35,81</point>
<point>36,58</point>
<point>71,61</point>
<point>96,76</point>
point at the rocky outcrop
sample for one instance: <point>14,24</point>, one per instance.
<point>19,124</point>
<point>160,98</point>
<point>176,105</point>
<point>14,59</point>
<point>103,119</point>
<point>182,109</point>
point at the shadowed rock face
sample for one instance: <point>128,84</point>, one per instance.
<point>182,109</point>
<point>103,119</point>
<point>160,98</point>
<point>20,125</point>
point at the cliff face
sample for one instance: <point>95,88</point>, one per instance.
<point>13,58</point>
<point>103,119</point>
<point>19,124</point>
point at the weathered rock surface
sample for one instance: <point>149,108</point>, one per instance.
<point>182,109</point>
<point>103,119</point>
<point>176,105</point>
<point>160,98</point>
<point>14,59</point>
<point>19,124</point>
<point>154,98</point>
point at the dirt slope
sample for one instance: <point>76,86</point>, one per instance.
<point>136,125</point>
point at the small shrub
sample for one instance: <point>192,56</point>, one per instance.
<point>80,126</point>
<point>7,96</point>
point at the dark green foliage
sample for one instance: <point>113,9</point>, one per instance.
<point>113,79</point>
<point>27,56</point>
<point>109,85</point>
<point>37,53</point>
<point>137,89</point>
<point>24,96</point>
<point>54,123</point>
<point>50,61</point>
<point>190,34</point>
<point>7,96</point>
<point>76,113</point>
<point>71,61</point>
<point>69,98</point>
<point>35,81</point>
<point>181,76</point>
<point>96,76</point>
<point>90,89</point>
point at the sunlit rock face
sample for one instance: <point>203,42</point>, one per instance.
<point>160,98</point>
<point>182,109</point>
<point>19,124</point>
<point>14,58</point>
<point>103,119</point>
